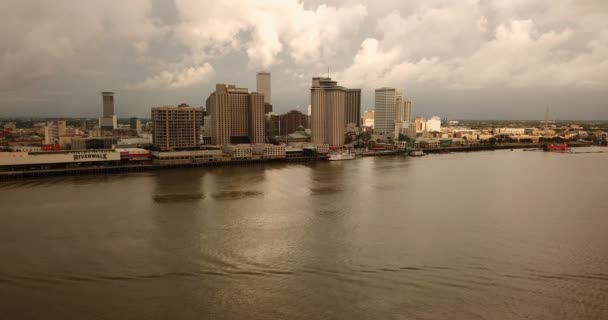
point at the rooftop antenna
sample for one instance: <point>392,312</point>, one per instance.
<point>328,71</point>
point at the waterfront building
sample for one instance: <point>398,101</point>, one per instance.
<point>384,121</point>
<point>46,158</point>
<point>238,151</point>
<point>269,151</point>
<point>176,127</point>
<point>237,116</point>
<point>329,110</point>
<point>263,87</point>
<point>510,131</point>
<point>108,120</point>
<point>25,149</point>
<point>188,157</point>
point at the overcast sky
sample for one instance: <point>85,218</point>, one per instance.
<point>464,59</point>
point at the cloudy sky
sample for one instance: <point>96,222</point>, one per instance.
<point>464,59</point>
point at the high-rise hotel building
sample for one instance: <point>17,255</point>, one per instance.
<point>176,127</point>
<point>332,108</point>
<point>237,116</point>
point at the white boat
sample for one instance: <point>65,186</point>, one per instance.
<point>416,153</point>
<point>344,155</point>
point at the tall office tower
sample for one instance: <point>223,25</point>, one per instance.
<point>237,116</point>
<point>176,127</point>
<point>108,121</point>
<point>353,106</point>
<point>263,87</point>
<point>384,121</point>
<point>328,111</point>
<point>108,103</point>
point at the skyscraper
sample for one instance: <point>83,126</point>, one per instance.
<point>384,121</point>
<point>237,116</point>
<point>263,87</point>
<point>108,103</point>
<point>108,120</point>
<point>353,106</point>
<point>399,107</point>
<point>176,127</point>
<point>329,105</point>
<point>403,113</point>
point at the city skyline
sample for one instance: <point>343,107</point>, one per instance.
<point>459,60</point>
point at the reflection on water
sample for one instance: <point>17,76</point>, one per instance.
<point>178,197</point>
<point>233,195</point>
<point>489,235</point>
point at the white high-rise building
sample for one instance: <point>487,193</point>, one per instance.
<point>384,118</point>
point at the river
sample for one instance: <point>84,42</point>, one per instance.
<point>486,235</point>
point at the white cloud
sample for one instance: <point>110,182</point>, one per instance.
<point>44,38</point>
<point>266,28</point>
<point>456,44</point>
<point>452,46</point>
<point>182,78</point>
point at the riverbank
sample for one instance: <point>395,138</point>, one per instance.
<point>102,170</point>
